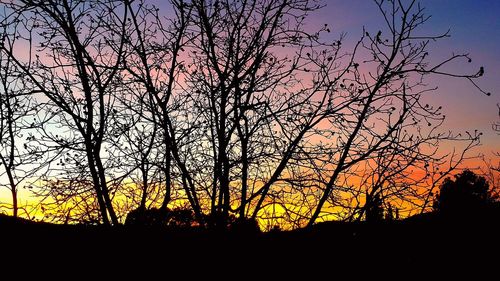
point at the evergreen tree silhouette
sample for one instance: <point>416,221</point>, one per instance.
<point>374,208</point>
<point>469,194</point>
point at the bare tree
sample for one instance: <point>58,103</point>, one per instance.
<point>245,88</point>
<point>17,160</point>
<point>153,75</point>
<point>76,72</point>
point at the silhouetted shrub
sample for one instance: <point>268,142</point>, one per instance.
<point>176,218</point>
<point>275,228</point>
<point>374,208</point>
<point>185,218</point>
<point>147,217</point>
<point>181,218</point>
<point>245,226</point>
<point>469,194</point>
<point>218,221</point>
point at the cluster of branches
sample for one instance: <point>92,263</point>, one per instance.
<point>227,108</point>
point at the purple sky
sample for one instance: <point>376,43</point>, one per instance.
<point>475,29</point>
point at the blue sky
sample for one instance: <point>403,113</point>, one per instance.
<point>475,29</point>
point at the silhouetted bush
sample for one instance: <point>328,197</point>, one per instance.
<point>392,213</point>
<point>374,208</point>
<point>185,218</point>
<point>218,221</point>
<point>181,218</point>
<point>176,218</point>
<point>147,217</point>
<point>245,226</point>
<point>467,195</point>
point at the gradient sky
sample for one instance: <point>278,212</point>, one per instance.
<point>475,28</point>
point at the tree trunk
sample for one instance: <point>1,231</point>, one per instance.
<point>105,190</point>
<point>15,207</point>
<point>244,176</point>
<point>168,182</point>
<point>144,194</point>
<point>97,189</point>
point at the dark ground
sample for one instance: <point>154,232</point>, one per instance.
<point>419,247</point>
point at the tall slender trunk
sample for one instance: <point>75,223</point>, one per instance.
<point>213,196</point>
<point>244,176</point>
<point>223,165</point>
<point>15,207</point>
<point>144,194</point>
<point>9,167</point>
<point>105,190</point>
<point>225,190</point>
<point>12,183</point>
<point>13,190</point>
<point>168,181</point>
<point>97,189</point>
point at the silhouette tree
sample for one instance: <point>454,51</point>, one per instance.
<point>75,68</point>
<point>253,112</point>
<point>392,213</point>
<point>17,110</point>
<point>469,194</point>
<point>155,68</point>
<point>374,208</point>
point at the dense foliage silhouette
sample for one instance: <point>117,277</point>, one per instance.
<point>374,208</point>
<point>468,195</point>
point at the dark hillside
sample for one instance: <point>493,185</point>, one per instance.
<point>417,244</point>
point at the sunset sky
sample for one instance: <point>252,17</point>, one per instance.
<point>475,29</point>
